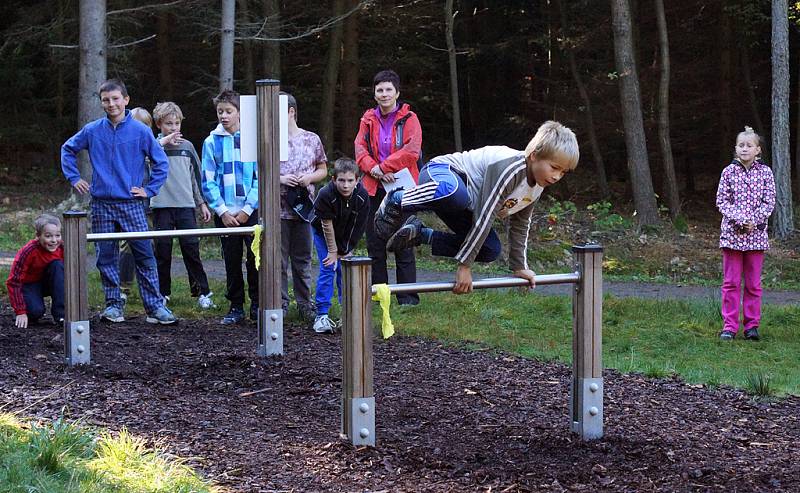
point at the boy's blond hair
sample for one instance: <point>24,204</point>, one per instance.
<point>142,115</point>
<point>43,220</point>
<point>165,109</point>
<point>554,141</point>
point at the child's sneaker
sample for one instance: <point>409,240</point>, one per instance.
<point>409,235</point>
<point>323,324</point>
<point>727,335</point>
<point>166,299</point>
<point>751,334</point>
<point>205,302</point>
<point>161,316</point>
<point>112,314</point>
<point>389,214</point>
<point>234,316</point>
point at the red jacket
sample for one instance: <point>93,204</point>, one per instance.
<point>28,266</point>
<point>404,154</point>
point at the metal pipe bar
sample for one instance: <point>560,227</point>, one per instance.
<point>169,233</point>
<point>495,282</point>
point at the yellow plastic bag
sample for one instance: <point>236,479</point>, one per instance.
<point>384,297</point>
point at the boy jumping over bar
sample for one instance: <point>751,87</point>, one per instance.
<point>118,146</point>
<point>467,190</point>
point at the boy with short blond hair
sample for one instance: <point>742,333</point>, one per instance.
<point>230,187</point>
<point>467,190</point>
<point>175,205</point>
<point>38,272</point>
<point>118,146</point>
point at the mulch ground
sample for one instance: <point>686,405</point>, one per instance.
<point>448,418</point>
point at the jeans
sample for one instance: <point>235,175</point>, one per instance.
<point>326,277</point>
<point>296,248</point>
<point>52,285</point>
<point>232,252</point>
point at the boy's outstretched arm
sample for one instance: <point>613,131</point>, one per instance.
<point>463,279</point>
<point>526,274</point>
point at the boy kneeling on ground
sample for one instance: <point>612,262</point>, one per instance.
<point>38,272</point>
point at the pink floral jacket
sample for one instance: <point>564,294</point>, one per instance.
<point>745,196</point>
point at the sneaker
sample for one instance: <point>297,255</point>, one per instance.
<point>161,316</point>
<point>751,334</point>
<point>112,314</point>
<point>166,299</point>
<point>254,313</point>
<point>205,302</point>
<point>389,215</point>
<point>323,324</point>
<point>409,235</point>
<point>234,316</point>
<point>727,335</point>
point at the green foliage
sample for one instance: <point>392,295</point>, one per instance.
<point>680,224</point>
<point>605,219</point>
<point>759,384</point>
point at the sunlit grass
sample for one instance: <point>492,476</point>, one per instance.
<point>63,457</point>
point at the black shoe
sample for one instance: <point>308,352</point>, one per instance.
<point>389,215</point>
<point>727,335</point>
<point>751,334</point>
<point>254,313</point>
<point>409,235</point>
<point>234,316</point>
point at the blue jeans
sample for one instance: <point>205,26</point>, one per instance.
<point>449,201</point>
<point>52,285</point>
<point>326,277</point>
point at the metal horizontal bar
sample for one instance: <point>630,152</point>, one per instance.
<point>169,233</point>
<point>495,282</point>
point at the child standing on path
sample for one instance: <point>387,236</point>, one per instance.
<point>745,198</point>
<point>342,208</point>
<point>307,164</point>
<point>174,206</point>
<point>38,272</point>
<point>230,187</point>
<point>467,190</point>
<point>118,146</point>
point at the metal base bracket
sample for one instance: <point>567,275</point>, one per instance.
<point>270,337</point>
<point>78,349</point>
<point>362,421</point>
<point>587,418</point>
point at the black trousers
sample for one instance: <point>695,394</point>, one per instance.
<point>169,218</point>
<point>404,259</point>
<point>232,253</point>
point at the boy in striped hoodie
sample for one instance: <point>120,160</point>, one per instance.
<point>467,190</point>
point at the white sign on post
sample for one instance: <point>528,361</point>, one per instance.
<point>248,117</point>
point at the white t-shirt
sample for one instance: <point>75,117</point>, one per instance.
<point>522,196</point>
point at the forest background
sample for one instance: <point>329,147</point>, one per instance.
<point>514,63</point>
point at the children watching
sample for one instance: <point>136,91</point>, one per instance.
<point>38,272</point>
<point>230,187</point>
<point>342,209</point>
<point>118,146</point>
<point>174,206</point>
<point>467,190</point>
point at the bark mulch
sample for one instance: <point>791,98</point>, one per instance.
<point>448,418</point>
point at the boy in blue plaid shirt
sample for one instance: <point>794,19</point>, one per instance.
<point>230,187</point>
<point>117,146</point>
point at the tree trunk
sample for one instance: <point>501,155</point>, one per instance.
<point>670,181</point>
<point>92,73</point>
<point>597,156</point>
<point>330,79</point>
<point>226,38</point>
<point>247,46</point>
<point>783,223</point>
<point>725,127</point>
<point>449,19</point>
<point>348,76</point>
<point>638,164</point>
<point>164,57</point>
<point>271,55</point>
<point>797,138</point>
<point>751,93</point>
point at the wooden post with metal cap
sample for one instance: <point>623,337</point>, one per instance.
<point>76,308</point>
<point>270,312</point>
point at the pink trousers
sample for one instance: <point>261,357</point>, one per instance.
<point>736,265</point>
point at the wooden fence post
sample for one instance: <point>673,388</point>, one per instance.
<point>586,389</point>
<point>270,312</point>
<point>77,339</point>
<point>358,398</point>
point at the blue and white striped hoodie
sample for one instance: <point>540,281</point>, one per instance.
<point>229,185</point>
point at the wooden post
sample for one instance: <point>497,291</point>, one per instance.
<point>358,397</point>
<point>270,313</point>
<point>586,389</point>
<point>76,307</point>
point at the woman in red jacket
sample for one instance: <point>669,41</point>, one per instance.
<point>389,139</point>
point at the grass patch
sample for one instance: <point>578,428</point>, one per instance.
<point>63,457</point>
<point>654,337</point>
